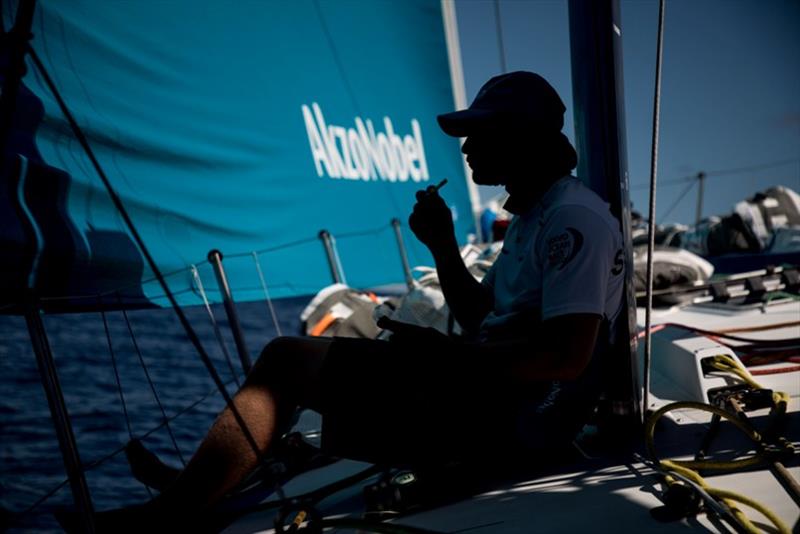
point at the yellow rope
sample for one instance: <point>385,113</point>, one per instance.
<point>687,468</point>
<point>723,362</point>
<point>730,498</point>
<point>749,431</point>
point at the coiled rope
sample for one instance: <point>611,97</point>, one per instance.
<point>688,468</point>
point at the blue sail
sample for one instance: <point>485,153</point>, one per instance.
<point>238,126</point>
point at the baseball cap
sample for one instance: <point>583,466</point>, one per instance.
<point>518,98</point>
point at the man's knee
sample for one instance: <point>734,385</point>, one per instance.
<point>287,364</point>
<point>273,364</point>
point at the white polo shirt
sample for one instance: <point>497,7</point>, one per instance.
<point>562,256</point>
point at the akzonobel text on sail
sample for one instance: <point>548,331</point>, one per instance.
<point>362,154</point>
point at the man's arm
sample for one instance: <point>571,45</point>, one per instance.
<point>575,251</point>
<point>432,223</point>
<point>562,350</point>
<point>468,299</point>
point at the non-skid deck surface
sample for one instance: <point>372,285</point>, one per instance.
<point>604,498</point>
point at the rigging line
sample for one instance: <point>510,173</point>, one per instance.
<point>722,172</point>
<point>193,337</point>
<point>758,167</point>
<point>116,291</point>
<point>217,332</point>
<point>349,88</point>
<point>116,374</point>
<point>109,124</point>
<point>119,387</point>
<point>361,233</point>
<point>781,342</point>
<point>336,59</point>
<point>759,328</point>
<point>666,183</point>
<point>152,387</point>
<point>318,494</point>
<point>651,223</point>
<point>299,242</point>
<point>147,302</point>
<point>677,201</point>
<point>18,516</point>
<point>254,287</point>
<point>275,248</point>
<point>182,411</point>
<point>501,48</point>
<point>121,289</point>
<point>266,250</point>
<point>266,294</point>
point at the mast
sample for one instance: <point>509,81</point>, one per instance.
<point>598,102</point>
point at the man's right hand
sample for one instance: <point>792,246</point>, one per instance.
<point>431,221</point>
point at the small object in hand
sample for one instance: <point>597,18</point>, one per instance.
<point>431,189</point>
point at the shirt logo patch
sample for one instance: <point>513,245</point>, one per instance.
<point>562,248</point>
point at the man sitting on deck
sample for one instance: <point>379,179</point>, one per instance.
<point>538,324</point>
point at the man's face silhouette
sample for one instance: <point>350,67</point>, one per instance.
<point>499,156</point>
<point>525,162</point>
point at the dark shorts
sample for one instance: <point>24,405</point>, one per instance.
<point>399,404</point>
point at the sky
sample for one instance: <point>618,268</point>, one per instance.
<point>730,94</point>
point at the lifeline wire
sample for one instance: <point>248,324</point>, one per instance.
<point>153,388</point>
<point>116,375</point>
<point>722,172</point>
<point>117,290</point>
<point>217,332</point>
<point>361,233</point>
<point>273,248</point>
<point>119,385</point>
<point>193,337</point>
<point>651,226</point>
<point>266,294</point>
<point>677,200</point>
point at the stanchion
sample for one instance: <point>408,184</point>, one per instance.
<point>403,253</point>
<point>333,257</point>
<point>215,258</point>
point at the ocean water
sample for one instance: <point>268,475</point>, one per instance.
<point>30,459</point>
